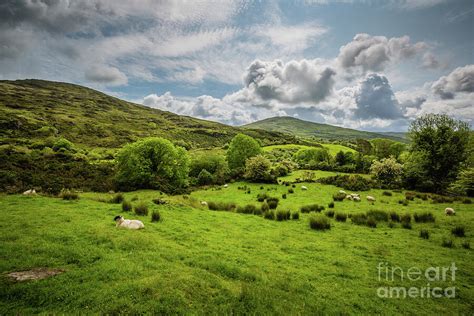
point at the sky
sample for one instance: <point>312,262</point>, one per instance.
<point>369,65</point>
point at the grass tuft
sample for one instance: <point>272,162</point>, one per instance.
<point>319,222</point>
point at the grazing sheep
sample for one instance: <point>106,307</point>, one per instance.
<point>30,192</point>
<point>349,197</point>
<point>226,185</point>
<point>449,211</point>
<point>128,223</point>
<point>354,195</point>
<point>203,203</point>
<point>370,198</point>
<point>342,192</point>
<point>356,199</point>
<point>304,188</point>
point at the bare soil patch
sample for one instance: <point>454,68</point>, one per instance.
<point>34,274</point>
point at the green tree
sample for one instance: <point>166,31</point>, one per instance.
<point>204,177</point>
<point>240,149</point>
<point>312,156</point>
<point>439,145</point>
<point>152,163</point>
<point>257,169</point>
<point>464,184</point>
<point>387,171</point>
<point>340,158</point>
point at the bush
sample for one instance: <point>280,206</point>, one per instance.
<point>410,196</point>
<point>265,207</point>
<point>359,219</point>
<point>394,217</point>
<point>405,218</point>
<point>341,217</point>
<point>311,208</point>
<point>329,213</point>
<point>295,215</point>
<point>458,231</point>
<point>371,222</point>
<point>68,195</point>
<point>269,215</point>
<point>426,217</point>
<point>257,169</point>
<point>406,225</point>
<point>467,201</point>
<point>466,245</point>
<point>319,222</point>
<point>126,206</point>
<point>442,199</point>
<point>117,198</point>
<point>272,202</point>
<point>391,224</point>
<point>424,234</point>
<point>378,215</point>
<point>387,193</point>
<point>331,205</point>
<point>221,206</point>
<point>262,197</point>
<point>155,216</point>
<point>283,196</point>
<point>283,215</point>
<point>290,190</point>
<point>141,209</point>
<point>338,197</point>
<point>447,243</point>
<point>204,177</point>
<point>350,182</point>
<point>388,172</point>
<point>247,209</point>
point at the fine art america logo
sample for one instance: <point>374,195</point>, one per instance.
<point>438,275</point>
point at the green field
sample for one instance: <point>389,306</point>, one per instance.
<point>197,261</point>
<point>333,149</point>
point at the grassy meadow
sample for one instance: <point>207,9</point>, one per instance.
<point>198,261</point>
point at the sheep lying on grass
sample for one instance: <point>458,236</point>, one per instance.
<point>304,188</point>
<point>203,203</point>
<point>449,211</point>
<point>370,198</point>
<point>128,223</point>
<point>342,192</point>
<point>30,192</point>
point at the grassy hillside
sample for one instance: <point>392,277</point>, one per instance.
<point>333,149</point>
<point>305,129</point>
<point>32,110</point>
<point>197,261</point>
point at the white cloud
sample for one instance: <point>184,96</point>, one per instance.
<point>106,75</point>
<point>460,79</point>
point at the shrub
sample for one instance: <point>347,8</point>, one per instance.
<point>341,217</point>
<point>329,213</point>
<point>378,215</point>
<point>387,171</point>
<point>158,201</point>
<point>331,205</point>
<point>117,198</point>
<point>204,177</point>
<point>126,206</point>
<point>442,199</point>
<point>247,209</point>
<point>68,195</point>
<point>458,231</point>
<point>387,193</point>
<point>290,190</point>
<point>447,243</point>
<point>141,209</point>
<point>371,222</point>
<point>272,202</point>
<point>221,206</point>
<point>265,207</point>
<point>240,149</point>
<point>257,169</point>
<point>155,216</point>
<point>338,197</point>
<point>295,215</point>
<point>311,208</point>
<point>319,222</point>
<point>269,215</point>
<point>410,196</point>
<point>262,197</point>
<point>293,186</point>
<point>466,245</point>
<point>283,215</point>
<point>467,201</point>
<point>424,234</point>
<point>359,219</point>
<point>405,218</point>
<point>426,217</point>
<point>394,217</point>
<point>283,196</point>
<point>350,182</point>
<point>391,224</point>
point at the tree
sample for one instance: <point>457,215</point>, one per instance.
<point>257,169</point>
<point>240,149</point>
<point>216,165</point>
<point>340,158</point>
<point>439,147</point>
<point>364,146</point>
<point>312,157</point>
<point>204,177</point>
<point>387,171</point>
<point>152,163</point>
<point>464,185</point>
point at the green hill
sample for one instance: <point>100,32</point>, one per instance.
<point>33,110</point>
<point>311,130</point>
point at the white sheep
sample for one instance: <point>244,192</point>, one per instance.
<point>355,195</point>
<point>342,192</point>
<point>226,185</point>
<point>349,197</point>
<point>203,203</point>
<point>304,188</point>
<point>370,198</point>
<point>356,199</point>
<point>128,223</point>
<point>30,192</point>
<point>449,211</point>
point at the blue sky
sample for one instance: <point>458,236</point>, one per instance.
<point>372,65</point>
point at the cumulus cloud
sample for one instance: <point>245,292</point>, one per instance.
<point>459,80</point>
<point>375,52</point>
<point>106,75</point>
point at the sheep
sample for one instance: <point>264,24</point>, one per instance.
<point>356,199</point>
<point>355,195</point>
<point>342,192</point>
<point>304,188</point>
<point>449,211</point>
<point>203,203</point>
<point>226,185</point>
<point>349,197</point>
<point>370,198</point>
<point>128,223</point>
<point>30,192</point>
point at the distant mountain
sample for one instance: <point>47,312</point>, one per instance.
<point>311,130</point>
<point>33,111</point>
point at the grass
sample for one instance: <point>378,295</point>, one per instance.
<point>203,262</point>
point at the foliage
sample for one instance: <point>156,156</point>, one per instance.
<point>257,169</point>
<point>152,163</point>
<point>241,148</point>
<point>295,215</point>
<point>214,164</point>
<point>388,172</point>
<point>221,206</point>
<point>282,215</point>
<point>155,216</point>
<point>464,184</point>
<point>204,177</point>
<point>62,144</point>
<point>329,213</point>
<point>126,206</point>
<point>311,208</point>
<point>319,222</point>
<point>117,198</point>
<point>378,215</point>
<point>312,158</point>
<point>141,209</point>
<point>68,195</point>
<point>426,217</point>
<point>349,182</point>
<point>340,217</point>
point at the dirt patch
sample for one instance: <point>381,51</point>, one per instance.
<point>34,274</point>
